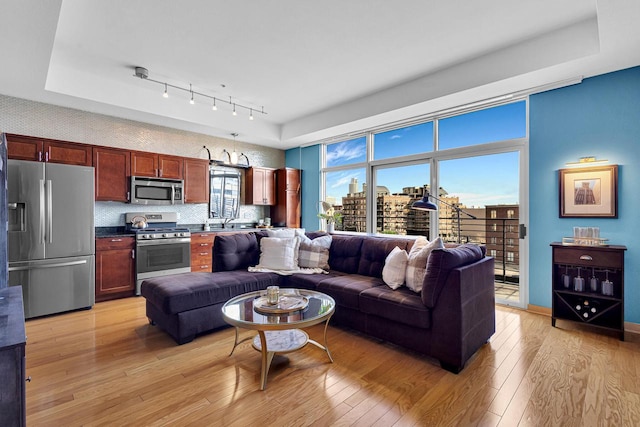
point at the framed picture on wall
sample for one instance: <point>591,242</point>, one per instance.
<point>589,192</point>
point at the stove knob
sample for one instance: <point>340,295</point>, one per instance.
<point>165,235</point>
<point>182,234</point>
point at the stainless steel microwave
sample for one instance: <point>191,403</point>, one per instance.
<point>156,191</point>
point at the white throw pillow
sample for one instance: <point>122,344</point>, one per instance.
<point>395,268</point>
<point>285,232</point>
<point>314,253</point>
<point>278,253</point>
<point>417,265</point>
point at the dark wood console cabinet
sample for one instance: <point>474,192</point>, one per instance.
<point>579,302</point>
<point>12,358</point>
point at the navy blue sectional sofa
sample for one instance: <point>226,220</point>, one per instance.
<point>449,320</point>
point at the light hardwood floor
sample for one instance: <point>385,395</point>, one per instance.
<point>108,366</point>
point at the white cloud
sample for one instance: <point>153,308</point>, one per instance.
<point>344,151</point>
<point>395,136</point>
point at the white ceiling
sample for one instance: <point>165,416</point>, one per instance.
<point>319,68</point>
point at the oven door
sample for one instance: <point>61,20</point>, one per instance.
<point>162,257</point>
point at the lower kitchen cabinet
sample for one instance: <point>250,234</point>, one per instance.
<point>202,252</point>
<point>115,267</point>
<point>12,358</point>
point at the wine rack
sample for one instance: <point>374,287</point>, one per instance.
<point>588,286</point>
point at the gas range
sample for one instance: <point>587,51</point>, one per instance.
<point>162,247</point>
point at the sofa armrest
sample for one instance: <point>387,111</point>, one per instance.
<point>464,316</point>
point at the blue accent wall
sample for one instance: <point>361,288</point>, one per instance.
<point>307,159</point>
<point>599,117</point>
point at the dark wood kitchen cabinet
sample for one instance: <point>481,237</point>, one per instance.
<point>113,168</point>
<point>202,252</point>
<point>260,186</point>
<point>287,210</point>
<point>115,267</point>
<point>35,149</point>
<point>13,340</point>
<point>196,181</point>
<point>156,165</point>
<point>600,306</point>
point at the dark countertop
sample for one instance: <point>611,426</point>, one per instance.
<point>112,232</point>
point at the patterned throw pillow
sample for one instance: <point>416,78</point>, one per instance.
<point>395,268</point>
<point>314,253</point>
<point>417,266</point>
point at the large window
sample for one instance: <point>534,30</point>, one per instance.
<point>400,163</point>
<point>345,189</point>
<point>403,142</point>
<point>347,152</point>
<point>396,190</point>
<point>479,127</point>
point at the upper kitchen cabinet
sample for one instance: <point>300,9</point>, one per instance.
<point>288,201</point>
<point>113,168</point>
<point>260,187</point>
<point>196,181</point>
<point>21,147</point>
<point>156,165</point>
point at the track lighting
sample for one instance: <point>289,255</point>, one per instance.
<point>143,74</point>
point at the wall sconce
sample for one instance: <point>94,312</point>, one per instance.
<point>587,161</point>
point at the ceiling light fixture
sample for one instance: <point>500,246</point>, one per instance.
<point>251,114</point>
<point>234,155</point>
<point>143,74</point>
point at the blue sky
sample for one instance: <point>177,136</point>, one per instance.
<point>478,181</point>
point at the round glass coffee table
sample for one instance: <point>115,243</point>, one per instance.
<point>279,326</point>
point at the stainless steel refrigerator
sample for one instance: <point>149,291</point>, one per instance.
<point>51,237</point>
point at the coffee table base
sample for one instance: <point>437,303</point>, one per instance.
<point>270,343</point>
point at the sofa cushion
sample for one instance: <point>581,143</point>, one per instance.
<point>401,306</point>
<point>441,262</point>
<point>182,292</point>
<point>235,251</point>
<point>346,289</point>
<point>344,253</point>
<point>395,268</point>
<point>308,281</point>
<point>373,253</point>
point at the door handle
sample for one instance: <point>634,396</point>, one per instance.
<point>42,212</point>
<point>59,264</point>
<point>173,194</point>
<point>50,210</point>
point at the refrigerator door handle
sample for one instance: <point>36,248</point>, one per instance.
<point>42,214</point>
<point>60,264</point>
<point>49,211</point>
